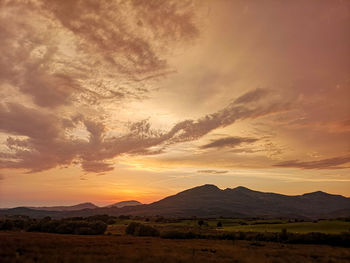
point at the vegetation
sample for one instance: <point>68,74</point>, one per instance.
<point>55,248</point>
<point>156,239</point>
<point>137,229</point>
<point>79,226</point>
<point>330,232</point>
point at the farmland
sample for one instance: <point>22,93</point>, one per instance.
<point>320,226</point>
<point>159,239</point>
<point>44,247</point>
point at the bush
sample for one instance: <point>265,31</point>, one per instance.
<point>68,226</point>
<point>137,229</point>
<point>109,220</point>
<point>124,217</point>
<point>130,230</point>
<point>284,234</point>
<point>178,235</point>
<point>200,223</point>
<point>6,225</point>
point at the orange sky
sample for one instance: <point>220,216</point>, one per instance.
<point>104,101</point>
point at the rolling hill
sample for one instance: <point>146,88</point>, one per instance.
<point>66,208</point>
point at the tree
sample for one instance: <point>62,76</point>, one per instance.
<point>200,222</point>
<point>219,224</point>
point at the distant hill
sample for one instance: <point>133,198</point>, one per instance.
<point>210,201</point>
<point>125,203</point>
<point>66,208</point>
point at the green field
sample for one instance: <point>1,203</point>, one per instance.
<point>323,226</point>
<point>235,225</point>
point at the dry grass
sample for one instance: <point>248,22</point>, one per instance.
<point>52,248</point>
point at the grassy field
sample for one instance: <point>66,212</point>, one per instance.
<point>53,248</point>
<point>321,226</point>
<point>324,226</point>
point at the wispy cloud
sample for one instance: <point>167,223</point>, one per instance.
<point>212,171</point>
<point>330,163</point>
<point>252,96</point>
<point>228,142</point>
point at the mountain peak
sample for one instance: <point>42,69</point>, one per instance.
<point>208,186</point>
<point>317,193</point>
<point>86,203</point>
<point>242,188</point>
<point>125,203</point>
<point>239,189</point>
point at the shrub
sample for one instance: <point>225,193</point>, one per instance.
<point>137,229</point>
<point>123,217</point>
<point>6,225</point>
<point>130,230</point>
<point>178,235</point>
<point>284,234</point>
<point>241,235</point>
<point>145,230</point>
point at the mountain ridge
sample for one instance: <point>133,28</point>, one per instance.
<point>125,203</point>
<point>210,201</point>
<point>86,205</point>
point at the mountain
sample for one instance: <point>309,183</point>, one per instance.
<point>210,201</point>
<point>66,208</point>
<point>240,202</point>
<point>125,203</point>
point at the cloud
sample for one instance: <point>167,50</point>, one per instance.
<point>330,163</point>
<point>228,142</point>
<point>63,52</point>
<point>252,96</point>
<point>212,171</point>
<point>96,167</point>
<point>20,120</point>
<point>190,130</point>
<point>60,60</point>
<point>47,143</point>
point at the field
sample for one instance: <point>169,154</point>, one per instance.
<point>323,226</point>
<point>104,239</point>
<point>320,226</point>
<point>53,248</point>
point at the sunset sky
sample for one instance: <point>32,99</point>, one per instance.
<point>104,101</point>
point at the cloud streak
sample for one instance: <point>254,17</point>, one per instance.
<point>212,171</point>
<point>329,163</point>
<point>228,142</point>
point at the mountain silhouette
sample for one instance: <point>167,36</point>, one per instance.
<point>209,201</point>
<point>125,203</point>
<point>66,208</point>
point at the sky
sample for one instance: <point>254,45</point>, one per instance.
<point>104,101</point>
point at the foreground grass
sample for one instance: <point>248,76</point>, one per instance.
<point>43,247</point>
